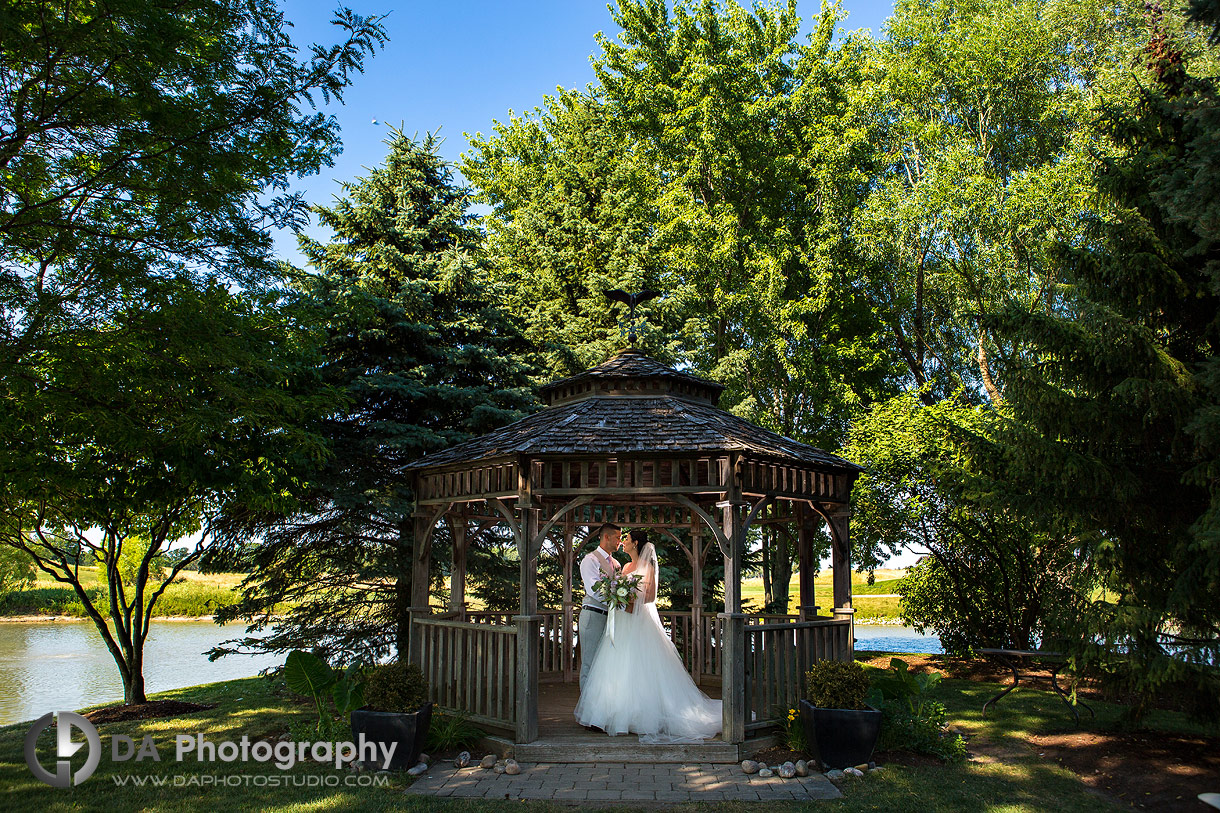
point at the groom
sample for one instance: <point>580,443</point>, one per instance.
<point>600,561</point>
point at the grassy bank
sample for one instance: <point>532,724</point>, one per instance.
<point>873,602</point>
<point>1005,774</point>
<point>192,595</point>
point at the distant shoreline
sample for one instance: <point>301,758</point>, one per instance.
<point>30,619</point>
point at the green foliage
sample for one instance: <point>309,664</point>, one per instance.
<point>713,160</point>
<point>150,139</point>
<point>308,675</point>
<point>146,365</point>
<point>450,731</point>
<point>836,685</point>
<point>399,687</point>
<point>910,718</point>
<point>17,571</point>
<point>412,335</point>
<point>992,576</point>
<point>1114,415</point>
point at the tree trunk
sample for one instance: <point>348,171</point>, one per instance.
<point>133,687</point>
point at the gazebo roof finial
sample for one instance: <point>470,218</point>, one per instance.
<point>630,300</point>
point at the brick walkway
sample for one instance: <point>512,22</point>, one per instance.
<point>615,782</point>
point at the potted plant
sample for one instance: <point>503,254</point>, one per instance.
<point>396,711</point>
<point>840,728</point>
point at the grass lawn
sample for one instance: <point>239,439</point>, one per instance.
<point>872,601</point>
<point>192,595</point>
<point>1005,775</point>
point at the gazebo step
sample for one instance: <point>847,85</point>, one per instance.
<point>573,749</point>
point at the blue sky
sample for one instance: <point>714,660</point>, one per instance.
<point>458,66</point>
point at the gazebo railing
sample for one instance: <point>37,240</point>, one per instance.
<point>471,664</point>
<point>471,668</point>
<point>777,657</point>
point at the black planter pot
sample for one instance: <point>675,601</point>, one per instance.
<point>408,729</point>
<point>841,738</point>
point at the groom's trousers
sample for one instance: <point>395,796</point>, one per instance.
<point>591,626</point>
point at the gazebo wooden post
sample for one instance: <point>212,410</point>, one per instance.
<point>566,560</point>
<point>733,655</point>
<point>421,564</point>
<point>528,621</point>
<point>696,603</point>
<point>457,573</point>
<point>841,563</point>
<point>805,526</point>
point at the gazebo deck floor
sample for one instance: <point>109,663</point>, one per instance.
<point>562,740</point>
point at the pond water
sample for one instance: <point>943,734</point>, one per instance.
<point>896,639</point>
<point>51,665</point>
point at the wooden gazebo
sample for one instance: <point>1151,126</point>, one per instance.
<point>638,443</point>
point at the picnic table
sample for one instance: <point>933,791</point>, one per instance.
<point>1026,659</point>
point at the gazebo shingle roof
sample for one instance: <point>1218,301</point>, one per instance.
<point>615,424</point>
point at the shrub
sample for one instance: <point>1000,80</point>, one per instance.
<point>399,687</point>
<point>910,719</point>
<point>837,685</point>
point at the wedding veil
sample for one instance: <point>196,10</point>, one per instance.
<point>650,571</point>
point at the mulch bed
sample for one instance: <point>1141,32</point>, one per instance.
<point>1147,770</point>
<point>145,711</point>
<point>778,755</point>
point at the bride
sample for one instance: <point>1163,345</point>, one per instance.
<point>637,683</point>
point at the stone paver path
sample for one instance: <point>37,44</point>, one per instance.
<point>602,782</point>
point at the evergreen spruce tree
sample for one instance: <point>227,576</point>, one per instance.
<point>414,337</point>
<point>1116,405</point>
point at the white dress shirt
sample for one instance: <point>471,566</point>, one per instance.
<point>590,571</point>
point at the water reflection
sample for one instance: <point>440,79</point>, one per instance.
<point>51,665</point>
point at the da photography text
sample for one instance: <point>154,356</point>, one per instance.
<point>284,755</point>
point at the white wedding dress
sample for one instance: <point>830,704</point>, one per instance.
<point>638,683</point>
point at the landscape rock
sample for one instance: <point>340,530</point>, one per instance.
<point>787,770</point>
<point>749,766</point>
<point>856,772</point>
<point>765,772</point>
<point>802,768</point>
<point>463,759</point>
<point>499,768</point>
<point>863,766</point>
<point>418,769</point>
<point>511,767</point>
<point>875,769</point>
<point>424,758</point>
<point>488,762</point>
<point>834,775</point>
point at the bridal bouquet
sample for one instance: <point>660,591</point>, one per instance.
<point>616,591</point>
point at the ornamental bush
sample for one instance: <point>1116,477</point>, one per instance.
<point>836,685</point>
<point>397,687</point>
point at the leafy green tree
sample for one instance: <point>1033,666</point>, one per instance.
<point>977,108</point>
<point>573,215</point>
<point>1115,408</point>
<point>415,339</point>
<point>144,139</point>
<point>144,431</point>
<point>989,576</point>
<point>148,381</point>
